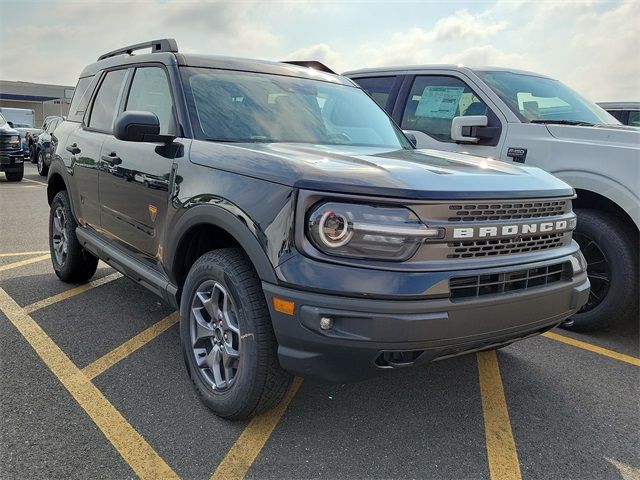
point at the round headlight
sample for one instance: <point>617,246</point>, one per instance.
<point>334,229</point>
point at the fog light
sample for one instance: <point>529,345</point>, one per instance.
<point>326,323</point>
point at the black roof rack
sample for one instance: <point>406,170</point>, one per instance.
<point>162,45</point>
<point>311,64</point>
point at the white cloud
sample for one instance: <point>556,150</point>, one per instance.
<point>463,25</point>
<point>486,55</point>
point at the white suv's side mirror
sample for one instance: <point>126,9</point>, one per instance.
<point>458,123</point>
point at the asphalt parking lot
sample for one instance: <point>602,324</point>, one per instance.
<point>93,385</point>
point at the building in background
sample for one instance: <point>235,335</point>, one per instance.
<point>44,99</point>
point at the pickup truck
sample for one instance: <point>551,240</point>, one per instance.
<point>521,117</point>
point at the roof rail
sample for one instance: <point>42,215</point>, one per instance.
<point>311,64</point>
<point>162,45</point>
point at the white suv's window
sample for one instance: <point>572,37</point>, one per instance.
<point>434,101</point>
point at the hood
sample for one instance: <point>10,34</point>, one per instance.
<point>611,135</point>
<point>419,174</point>
<point>7,130</point>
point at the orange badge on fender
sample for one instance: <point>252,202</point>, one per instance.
<point>153,212</point>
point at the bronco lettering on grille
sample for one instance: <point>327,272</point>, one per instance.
<point>511,230</point>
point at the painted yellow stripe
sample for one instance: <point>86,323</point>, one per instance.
<point>72,292</point>
<point>501,447</point>
<point>243,452</point>
<point>593,348</point>
<point>123,351</point>
<point>35,181</point>
<point>20,254</point>
<point>133,448</point>
<point>22,263</point>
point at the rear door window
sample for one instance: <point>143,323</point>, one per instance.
<point>106,102</point>
<point>378,87</point>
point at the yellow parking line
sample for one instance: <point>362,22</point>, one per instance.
<point>123,351</point>
<point>35,181</point>
<point>22,263</point>
<point>19,254</point>
<point>593,348</point>
<point>501,447</point>
<point>243,452</point>
<point>71,293</point>
<point>133,448</point>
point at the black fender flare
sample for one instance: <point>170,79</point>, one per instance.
<point>58,168</point>
<point>220,217</point>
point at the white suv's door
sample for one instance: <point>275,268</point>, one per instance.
<point>435,99</point>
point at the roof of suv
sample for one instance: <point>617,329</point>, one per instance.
<point>411,68</point>
<point>215,61</point>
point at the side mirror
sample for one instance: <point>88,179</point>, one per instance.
<point>136,126</point>
<point>462,128</point>
<point>10,124</point>
<point>412,138</point>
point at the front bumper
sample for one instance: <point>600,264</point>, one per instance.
<point>370,335</point>
<point>12,161</point>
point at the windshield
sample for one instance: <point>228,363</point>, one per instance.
<point>539,100</point>
<point>254,107</point>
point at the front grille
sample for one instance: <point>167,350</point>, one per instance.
<point>498,283</point>
<point>507,211</point>
<point>505,246</point>
<point>7,147</point>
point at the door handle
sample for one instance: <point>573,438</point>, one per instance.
<point>112,159</point>
<point>73,148</point>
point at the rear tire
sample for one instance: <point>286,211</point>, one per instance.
<point>71,262</point>
<point>611,250</point>
<point>251,380</point>
<point>15,176</point>
<point>43,169</point>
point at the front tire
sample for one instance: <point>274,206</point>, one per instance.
<point>70,261</point>
<point>228,342</point>
<point>15,176</point>
<point>43,169</point>
<point>611,251</point>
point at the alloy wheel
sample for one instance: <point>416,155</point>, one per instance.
<point>215,335</point>
<point>59,235</point>
<point>598,270</point>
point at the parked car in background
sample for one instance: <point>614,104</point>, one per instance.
<point>628,113</point>
<point>527,118</point>
<point>45,144</point>
<point>19,116</point>
<point>11,154</point>
<point>295,227</point>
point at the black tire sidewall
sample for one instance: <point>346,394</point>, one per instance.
<point>229,402</point>
<point>44,170</point>
<point>615,241</point>
<point>79,265</point>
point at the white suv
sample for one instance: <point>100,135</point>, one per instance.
<point>525,117</point>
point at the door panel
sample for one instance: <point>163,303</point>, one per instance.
<point>135,176</point>
<point>84,148</point>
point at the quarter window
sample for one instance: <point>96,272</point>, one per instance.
<point>150,92</point>
<point>378,87</point>
<point>81,96</point>
<point>434,101</point>
<point>106,102</point>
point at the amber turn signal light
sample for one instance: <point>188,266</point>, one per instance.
<point>283,306</point>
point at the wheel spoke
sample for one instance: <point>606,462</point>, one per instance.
<point>202,329</point>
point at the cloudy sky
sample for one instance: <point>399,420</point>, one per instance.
<point>594,46</point>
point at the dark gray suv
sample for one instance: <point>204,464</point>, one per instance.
<point>295,226</point>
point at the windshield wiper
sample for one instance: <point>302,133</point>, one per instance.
<point>563,122</point>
